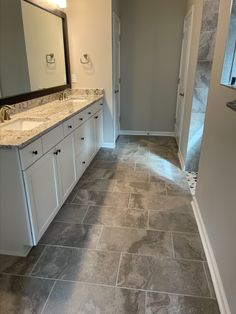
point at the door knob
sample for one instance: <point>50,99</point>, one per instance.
<point>116,91</point>
<point>181,94</point>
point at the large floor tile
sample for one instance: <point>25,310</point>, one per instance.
<point>117,217</point>
<point>163,274</point>
<point>20,295</point>
<point>20,265</point>
<point>85,197</point>
<point>172,221</point>
<point>144,242</point>
<point>72,235</point>
<point>188,246</point>
<point>113,165</point>
<point>78,265</point>
<point>98,185</point>
<point>71,213</point>
<point>159,201</point>
<point>175,304</point>
<point>140,187</point>
<point>77,298</point>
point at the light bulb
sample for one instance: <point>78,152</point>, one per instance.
<point>61,4</point>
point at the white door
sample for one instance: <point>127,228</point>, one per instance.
<point>185,55</point>
<point>41,183</point>
<point>116,71</point>
<point>66,166</point>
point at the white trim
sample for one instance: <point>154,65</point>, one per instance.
<point>108,145</point>
<point>215,274</point>
<point>17,253</point>
<point>147,133</point>
<point>181,159</point>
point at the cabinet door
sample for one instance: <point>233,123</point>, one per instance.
<point>98,130</point>
<point>66,166</point>
<point>90,139</point>
<point>42,189</point>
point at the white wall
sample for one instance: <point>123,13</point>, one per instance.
<point>216,188</point>
<point>90,31</point>
<point>151,37</point>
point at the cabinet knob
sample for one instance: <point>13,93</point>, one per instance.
<point>35,152</point>
<point>89,112</point>
<point>82,138</point>
<point>101,104</point>
<point>69,126</point>
<point>96,117</point>
<point>83,162</point>
<point>81,119</point>
<point>55,153</point>
<point>59,151</point>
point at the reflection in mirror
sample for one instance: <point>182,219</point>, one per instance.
<point>229,68</point>
<point>32,53</point>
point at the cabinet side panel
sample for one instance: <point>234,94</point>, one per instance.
<point>15,232</point>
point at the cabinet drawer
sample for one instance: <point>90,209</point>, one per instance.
<point>90,111</point>
<point>80,139</point>
<point>68,126</point>
<point>31,153</point>
<point>79,119</point>
<point>98,106</point>
<point>52,138</point>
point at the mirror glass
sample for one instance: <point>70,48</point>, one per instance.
<point>32,53</point>
<point>229,68</point>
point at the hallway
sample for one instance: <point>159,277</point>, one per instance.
<point>126,241</point>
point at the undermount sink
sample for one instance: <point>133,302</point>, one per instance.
<point>22,125</point>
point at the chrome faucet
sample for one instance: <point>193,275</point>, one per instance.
<point>4,114</point>
<point>63,96</point>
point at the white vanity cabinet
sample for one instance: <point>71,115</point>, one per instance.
<point>48,183</point>
<point>46,170</point>
<point>42,188</point>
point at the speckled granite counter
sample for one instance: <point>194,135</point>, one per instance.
<point>52,114</point>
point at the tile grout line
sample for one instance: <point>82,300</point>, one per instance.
<point>36,263</point>
<point>110,286</point>
<point>118,269</point>
<point>208,283</point>
<point>85,214</point>
<point>99,238</point>
<point>54,284</point>
<point>172,241</point>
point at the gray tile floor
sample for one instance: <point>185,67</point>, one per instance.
<point>126,241</point>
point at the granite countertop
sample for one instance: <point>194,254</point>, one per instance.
<point>52,114</point>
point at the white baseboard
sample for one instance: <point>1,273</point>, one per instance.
<point>217,282</point>
<point>16,253</point>
<point>181,159</point>
<point>146,133</point>
<point>108,145</point>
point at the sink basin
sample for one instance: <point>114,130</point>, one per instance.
<point>22,125</point>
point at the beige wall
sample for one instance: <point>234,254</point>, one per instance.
<point>216,193</point>
<point>90,31</point>
<point>198,8</point>
<point>151,36</point>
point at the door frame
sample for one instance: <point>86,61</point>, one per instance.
<point>115,20</point>
<point>190,13</point>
